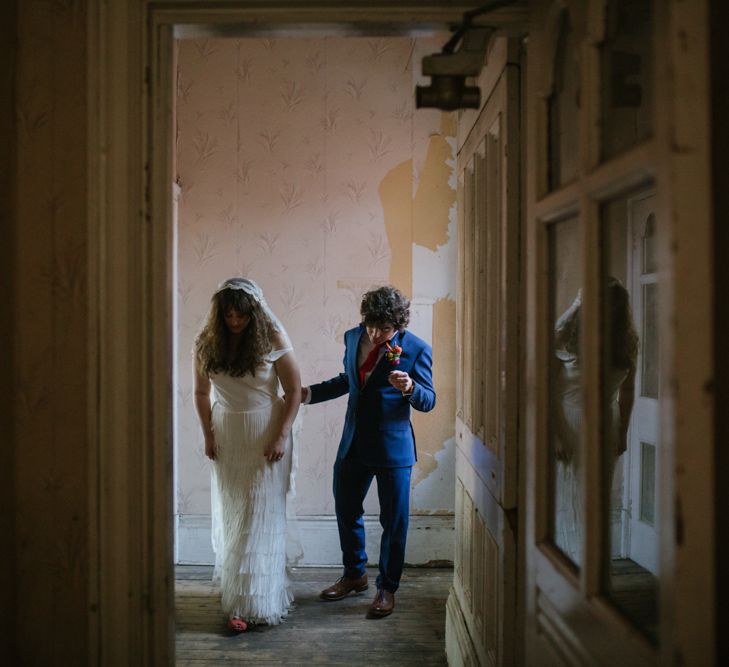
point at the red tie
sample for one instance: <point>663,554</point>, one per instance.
<point>369,363</point>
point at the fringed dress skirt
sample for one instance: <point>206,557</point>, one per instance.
<point>568,478</point>
<point>249,496</point>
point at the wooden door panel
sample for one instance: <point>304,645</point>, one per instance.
<point>484,567</point>
<point>489,277</point>
<point>481,618</point>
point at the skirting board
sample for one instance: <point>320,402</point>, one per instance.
<point>430,540</point>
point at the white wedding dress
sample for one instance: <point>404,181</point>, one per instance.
<point>249,496</point>
<point>568,495</point>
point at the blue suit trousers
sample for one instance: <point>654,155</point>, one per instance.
<point>352,480</point>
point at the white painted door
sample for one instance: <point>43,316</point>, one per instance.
<point>591,158</point>
<point>616,96</point>
<point>643,437</point>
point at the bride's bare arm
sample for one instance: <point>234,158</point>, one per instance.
<point>288,374</point>
<point>626,399</point>
<point>201,384</point>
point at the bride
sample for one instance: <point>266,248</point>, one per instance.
<point>243,352</point>
<point>618,387</point>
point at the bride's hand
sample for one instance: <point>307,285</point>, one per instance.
<point>562,452</point>
<point>275,450</point>
<point>211,447</point>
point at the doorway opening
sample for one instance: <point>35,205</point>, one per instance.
<point>301,163</point>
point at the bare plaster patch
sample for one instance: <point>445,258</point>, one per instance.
<point>429,277</point>
<point>435,493</point>
<point>434,429</point>
<point>449,124</point>
<point>421,239</point>
<point>434,197</point>
<point>397,207</point>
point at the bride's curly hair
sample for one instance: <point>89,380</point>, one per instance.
<point>211,344</point>
<point>620,329</point>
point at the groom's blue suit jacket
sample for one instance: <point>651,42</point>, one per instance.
<point>378,415</point>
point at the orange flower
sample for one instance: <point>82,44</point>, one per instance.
<point>393,354</point>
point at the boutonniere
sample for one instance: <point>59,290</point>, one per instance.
<point>393,354</point>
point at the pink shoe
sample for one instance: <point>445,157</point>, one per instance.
<point>237,625</point>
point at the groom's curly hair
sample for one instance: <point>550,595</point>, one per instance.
<point>385,305</point>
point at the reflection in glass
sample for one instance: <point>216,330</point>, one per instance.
<point>564,108</point>
<point>565,390</point>
<point>649,245</point>
<point>627,75</point>
<point>630,415</point>
<point>647,482</point>
<point>649,333</point>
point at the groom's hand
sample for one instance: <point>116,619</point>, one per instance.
<point>305,394</point>
<point>401,381</point>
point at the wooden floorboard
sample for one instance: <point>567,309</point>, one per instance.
<point>635,593</point>
<point>317,632</point>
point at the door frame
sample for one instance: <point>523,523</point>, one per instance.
<point>131,97</point>
<point>719,17</point>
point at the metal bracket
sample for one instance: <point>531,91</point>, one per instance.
<point>448,70</point>
<point>467,61</point>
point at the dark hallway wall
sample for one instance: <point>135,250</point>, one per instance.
<point>44,323</point>
<point>7,211</point>
<point>720,167</point>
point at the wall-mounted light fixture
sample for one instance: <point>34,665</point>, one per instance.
<point>449,68</point>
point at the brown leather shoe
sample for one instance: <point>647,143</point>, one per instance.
<point>345,585</point>
<point>383,604</point>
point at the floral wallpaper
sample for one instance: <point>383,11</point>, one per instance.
<point>303,164</point>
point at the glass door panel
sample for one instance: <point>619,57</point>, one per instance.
<point>630,407</point>
<point>565,389</point>
<point>564,108</point>
<point>627,75</point>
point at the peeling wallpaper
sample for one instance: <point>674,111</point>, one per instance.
<point>303,164</point>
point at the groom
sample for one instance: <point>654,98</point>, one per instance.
<point>387,370</point>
